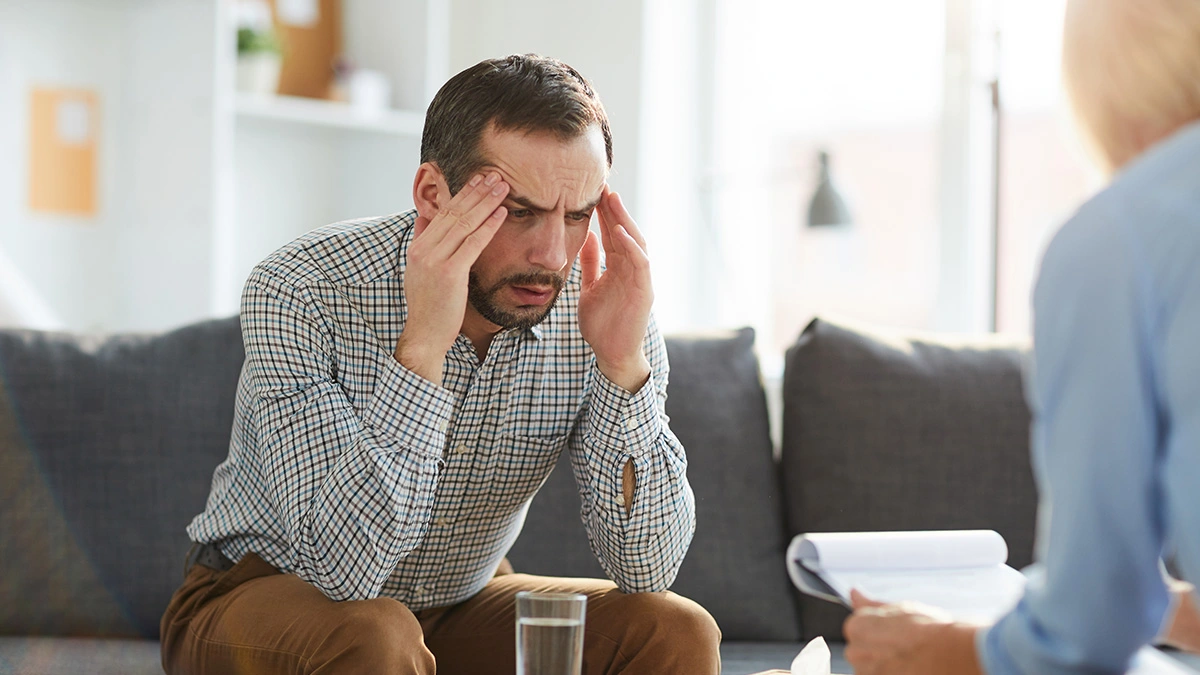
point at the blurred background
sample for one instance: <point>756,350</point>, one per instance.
<point>901,163</point>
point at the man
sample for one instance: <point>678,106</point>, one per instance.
<point>409,383</point>
<point>1114,395</point>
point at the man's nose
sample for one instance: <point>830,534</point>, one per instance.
<point>548,249</point>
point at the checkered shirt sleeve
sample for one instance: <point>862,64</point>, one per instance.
<point>642,550</point>
<point>354,493</point>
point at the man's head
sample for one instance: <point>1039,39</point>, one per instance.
<point>527,93</point>
<point>538,124</point>
<point>1132,69</point>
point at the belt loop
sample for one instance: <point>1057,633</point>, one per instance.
<point>187,561</point>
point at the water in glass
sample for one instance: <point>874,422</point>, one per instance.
<point>549,646</point>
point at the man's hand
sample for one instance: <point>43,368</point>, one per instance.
<point>907,639</point>
<point>614,306</point>
<point>439,265</point>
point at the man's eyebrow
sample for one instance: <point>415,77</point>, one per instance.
<point>590,205</point>
<point>527,203</point>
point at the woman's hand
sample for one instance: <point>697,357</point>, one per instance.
<point>907,639</point>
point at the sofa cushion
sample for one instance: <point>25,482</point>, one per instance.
<point>891,432</point>
<point>107,448</point>
<point>734,567</point>
<point>46,655</point>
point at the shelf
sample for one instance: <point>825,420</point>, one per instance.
<point>329,114</point>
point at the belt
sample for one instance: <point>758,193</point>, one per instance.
<point>208,555</point>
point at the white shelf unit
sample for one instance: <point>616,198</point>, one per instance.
<point>329,114</point>
<point>198,183</point>
<point>295,164</point>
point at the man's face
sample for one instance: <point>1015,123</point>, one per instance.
<point>554,187</point>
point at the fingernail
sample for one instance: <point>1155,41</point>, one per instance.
<point>499,189</point>
<point>492,178</point>
<point>476,179</point>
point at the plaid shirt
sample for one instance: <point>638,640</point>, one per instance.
<point>364,479</point>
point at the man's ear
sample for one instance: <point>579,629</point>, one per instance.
<point>430,191</point>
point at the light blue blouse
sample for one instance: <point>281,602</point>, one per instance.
<point>1115,391</point>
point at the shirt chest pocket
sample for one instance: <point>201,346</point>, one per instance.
<point>522,464</point>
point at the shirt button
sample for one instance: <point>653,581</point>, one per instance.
<point>631,424</point>
<point>461,448</point>
<point>418,590</point>
<point>444,426</point>
<point>442,522</point>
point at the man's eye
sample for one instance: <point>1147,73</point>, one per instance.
<point>581,217</point>
<point>520,214</point>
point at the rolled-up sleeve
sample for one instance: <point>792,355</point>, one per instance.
<point>354,490</point>
<point>640,550</point>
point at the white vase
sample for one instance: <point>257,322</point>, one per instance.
<point>258,73</point>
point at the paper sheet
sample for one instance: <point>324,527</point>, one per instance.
<point>814,659</point>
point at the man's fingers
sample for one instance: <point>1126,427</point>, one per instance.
<point>630,249</point>
<point>470,222</point>
<point>420,225</point>
<point>473,244</point>
<point>468,196</point>
<point>605,219</point>
<point>465,211</point>
<point>621,216</point>
<point>589,259</point>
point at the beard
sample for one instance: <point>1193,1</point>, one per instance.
<point>520,318</point>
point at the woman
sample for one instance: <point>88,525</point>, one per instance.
<point>1115,388</point>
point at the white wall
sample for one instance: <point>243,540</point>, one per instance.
<point>675,168</point>
<point>143,260</point>
<point>57,43</point>
<point>163,248</point>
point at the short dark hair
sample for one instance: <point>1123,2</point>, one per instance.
<point>522,92</point>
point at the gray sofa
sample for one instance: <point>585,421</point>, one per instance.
<point>107,447</point>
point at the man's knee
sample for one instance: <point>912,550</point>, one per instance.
<point>675,613</point>
<point>379,631</point>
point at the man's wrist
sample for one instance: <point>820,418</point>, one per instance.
<point>630,376</point>
<point>420,359</point>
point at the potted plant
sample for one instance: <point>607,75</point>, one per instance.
<point>259,59</point>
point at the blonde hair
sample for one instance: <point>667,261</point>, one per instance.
<point>1132,71</point>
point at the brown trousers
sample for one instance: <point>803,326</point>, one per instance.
<point>253,619</point>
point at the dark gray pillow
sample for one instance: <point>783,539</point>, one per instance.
<point>885,432</point>
<point>107,449</point>
<point>734,567</point>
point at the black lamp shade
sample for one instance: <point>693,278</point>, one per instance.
<point>827,207</point>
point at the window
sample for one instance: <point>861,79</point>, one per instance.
<point>900,95</point>
<point>1044,171</point>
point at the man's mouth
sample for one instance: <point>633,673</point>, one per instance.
<point>533,295</point>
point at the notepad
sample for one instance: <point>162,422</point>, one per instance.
<point>963,572</point>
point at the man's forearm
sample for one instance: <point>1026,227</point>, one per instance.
<point>628,486</point>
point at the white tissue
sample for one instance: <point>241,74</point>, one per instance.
<point>813,659</point>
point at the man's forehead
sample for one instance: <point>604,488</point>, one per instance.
<point>535,162</point>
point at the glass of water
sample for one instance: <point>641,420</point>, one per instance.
<point>550,633</point>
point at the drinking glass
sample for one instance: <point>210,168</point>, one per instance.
<point>550,633</point>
